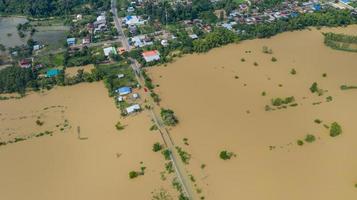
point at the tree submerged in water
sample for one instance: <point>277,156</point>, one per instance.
<point>168,116</point>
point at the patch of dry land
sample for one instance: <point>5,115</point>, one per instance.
<point>73,71</point>
<point>219,100</point>
<point>62,164</point>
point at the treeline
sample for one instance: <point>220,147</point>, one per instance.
<point>340,41</point>
<point>184,45</point>
<point>82,57</point>
<point>216,38</point>
<point>328,17</point>
<point>47,8</point>
<point>167,12</point>
<point>16,79</point>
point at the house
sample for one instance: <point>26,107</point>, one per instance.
<point>164,43</point>
<point>71,41</point>
<point>133,20</point>
<point>150,56</point>
<point>123,90</point>
<point>101,17</point>
<point>25,63</point>
<point>130,9</point>
<point>86,40</point>
<point>110,50</point>
<point>36,47</point>
<point>121,50</point>
<point>135,96</point>
<point>193,36</point>
<point>133,108</point>
<point>79,17</point>
<point>141,41</point>
<point>120,99</point>
<point>52,73</point>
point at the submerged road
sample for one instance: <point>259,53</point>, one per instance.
<point>175,158</point>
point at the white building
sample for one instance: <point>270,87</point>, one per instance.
<point>109,50</point>
<point>133,108</point>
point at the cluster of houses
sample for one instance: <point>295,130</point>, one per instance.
<point>124,93</point>
<point>244,15</point>
<point>94,28</point>
<point>101,23</point>
<point>28,63</point>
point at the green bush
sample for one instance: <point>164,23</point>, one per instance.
<point>273,59</point>
<point>314,88</point>
<point>300,142</point>
<point>167,154</point>
<point>168,116</point>
<point>335,129</point>
<point>293,71</point>
<point>185,157</point>
<point>279,101</point>
<point>317,121</point>
<point>310,138</point>
<point>157,147</point>
<point>133,174</point>
<point>119,126</point>
<point>226,155</point>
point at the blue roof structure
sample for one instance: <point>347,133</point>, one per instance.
<point>52,72</point>
<point>124,90</point>
<point>345,1</point>
<point>294,14</point>
<point>71,41</point>
<point>317,7</point>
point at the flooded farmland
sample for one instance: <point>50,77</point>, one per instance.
<point>48,35</point>
<point>84,156</point>
<point>220,98</point>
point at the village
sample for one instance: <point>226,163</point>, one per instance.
<point>183,99</point>
<point>96,40</point>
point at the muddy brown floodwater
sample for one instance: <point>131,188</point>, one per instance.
<point>218,99</point>
<point>62,166</point>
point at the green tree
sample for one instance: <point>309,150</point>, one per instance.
<point>335,129</point>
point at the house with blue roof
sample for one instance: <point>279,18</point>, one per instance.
<point>71,41</point>
<point>52,73</point>
<point>133,20</point>
<point>124,90</point>
<point>316,7</point>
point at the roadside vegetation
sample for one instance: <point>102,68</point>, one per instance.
<point>168,116</point>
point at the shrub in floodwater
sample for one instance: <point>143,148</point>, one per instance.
<point>133,174</point>
<point>335,129</point>
<point>157,147</point>
<point>226,155</point>
<point>119,126</point>
<point>39,123</point>
<point>167,154</point>
<point>317,121</point>
<point>300,142</point>
<point>310,138</point>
